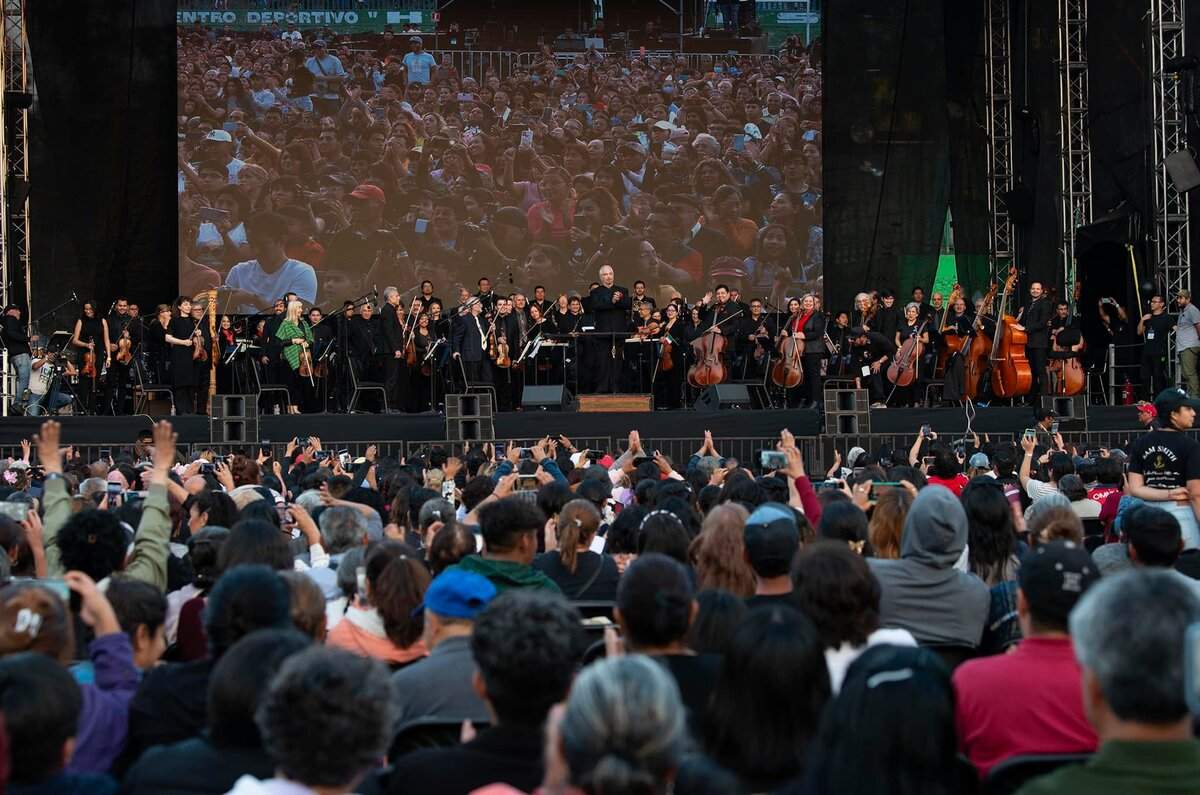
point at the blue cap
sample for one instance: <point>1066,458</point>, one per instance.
<point>458,594</point>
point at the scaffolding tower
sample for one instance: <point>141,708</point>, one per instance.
<point>14,187</point>
<point>1075,151</point>
<point>999,121</point>
<point>1172,248</point>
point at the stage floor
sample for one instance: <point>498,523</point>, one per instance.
<point>534,424</point>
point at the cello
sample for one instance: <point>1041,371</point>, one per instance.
<point>709,349</point>
<point>788,372</point>
<point>903,369</point>
<point>1066,374</point>
<point>1011,376</point>
<point>978,345</point>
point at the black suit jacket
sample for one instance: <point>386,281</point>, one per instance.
<point>612,317</point>
<point>15,337</point>
<point>1036,321</point>
<point>393,331</point>
<point>466,340</point>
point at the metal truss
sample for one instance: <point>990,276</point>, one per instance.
<point>1075,152</point>
<point>999,123</point>
<point>14,154</point>
<point>1172,247</point>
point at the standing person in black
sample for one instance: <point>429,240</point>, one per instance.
<point>610,307</point>
<point>393,351</point>
<point>872,352</point>
<point>811,329</point>
<point>361,338</point>
<point>183,335</point>
<point>486,297</point>
<point>1154,328</point>
<point>203,366</point>
<point>668,384</point>
<point>16,341</point>
<point>91,341</point>
<point>958,325</point>
<point>468,344</point>
<point>158,352</point>
<point>1036,318</point>
<point>887,316</point>
<point>121,326</point>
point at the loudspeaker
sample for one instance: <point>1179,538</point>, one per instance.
<point>1182,169</point>
<point>1019,202</point>
<point>223,407</point>
<point>551,397</point>
<point>724,396</point>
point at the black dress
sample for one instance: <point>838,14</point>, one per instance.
<point>183,371</point>
<point>90,330</point>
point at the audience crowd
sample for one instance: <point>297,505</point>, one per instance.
<point>566,621</point>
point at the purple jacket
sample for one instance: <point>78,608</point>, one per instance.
<point>104,718</point>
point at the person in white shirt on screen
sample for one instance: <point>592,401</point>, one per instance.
<point>255,284</point>
<point>418,63</point>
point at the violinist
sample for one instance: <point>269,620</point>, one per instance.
<point>754,342</point>
<point>324,333</point>
<point>421,375</point>
<point>226,341</point>
<point>92,345</point>
<point>913,326</point>
<point>872,354</point>
<point>640,296</point>
<point>806,324</point>
<point>486,296</point>
<point>542,303</point>
<point>509,336</point>
<point>668,383</point>
<point>125,335</point>
<point>297,340</point>
<point>640,354</point>
<point>610,305</point>
<point>183,337</point>
<point>395,335</point>
<point>203,365</point>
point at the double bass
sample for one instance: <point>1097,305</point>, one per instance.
<point>1011,376</point>
<point>1066,374</point>
<point>903,369</point>
<point>953,343</point>
<point>978,347</point>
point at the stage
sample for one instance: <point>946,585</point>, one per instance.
<point>740,434</point>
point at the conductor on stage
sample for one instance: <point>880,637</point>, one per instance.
<point>610,307</point>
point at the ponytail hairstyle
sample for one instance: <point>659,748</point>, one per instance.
<point>624,728</point>
<point>577,522</point>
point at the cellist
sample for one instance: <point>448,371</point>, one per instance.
<point>958,324</point>
<point>1066,339</point>
<point>805,323</point>
<point>912,326</point>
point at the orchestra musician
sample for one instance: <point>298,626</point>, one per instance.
<point>610,305</point>
<point>958,325</point>
<point>203,366</point>
<point>92,345</point>
<point>1035,317</point>
<point>125,335</point>
<point>838,335</point>
<point>469,344</point>
<point>872,353</point>
<point>805,323</point>
<point>183,335</point>
<point>913,326</point>
<point>755,342</point>
<point>392,326</point>
<point>297,339</point>
<point>668,384</point>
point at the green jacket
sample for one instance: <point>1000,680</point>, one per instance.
<point>151,544</point>
<point>287,332</point>
<point>506,575</point>
<point>1126,768</point>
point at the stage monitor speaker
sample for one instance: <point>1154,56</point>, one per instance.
<point>1182,169</point>
<point>552,397</point>
<point>724,396</point>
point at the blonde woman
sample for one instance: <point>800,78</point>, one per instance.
<point>297,342</point>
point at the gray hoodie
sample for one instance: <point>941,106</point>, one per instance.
<point>923,592</point>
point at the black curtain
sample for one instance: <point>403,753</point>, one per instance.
<point>103,202</point>
<point>903,104</point>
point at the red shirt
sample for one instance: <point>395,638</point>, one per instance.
<point>956,484</point>
<point>1026,702</point>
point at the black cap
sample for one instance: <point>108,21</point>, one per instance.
<point>1054,576</point>
<point>858,331</point>
<point>1172,399</point>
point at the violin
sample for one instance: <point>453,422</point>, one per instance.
<point>124,350</point>
<point>788,371</point>
<point>503,359</point>
<point>89,363</point>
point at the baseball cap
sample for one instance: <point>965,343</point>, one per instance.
<point>319,42</point>
<point>728,266</point>
<point>457,594</point>
<point>1173,398</point>
<point>663,125</point>
<point>1146,407</point>
<point>979,461</point>
<point>219,135</point>
<point>633,146</point>
<point>415,40</point>
<point>751,129</point>
<point>771,538</point>
<point>1054,576</point>
<point>369,193</point>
